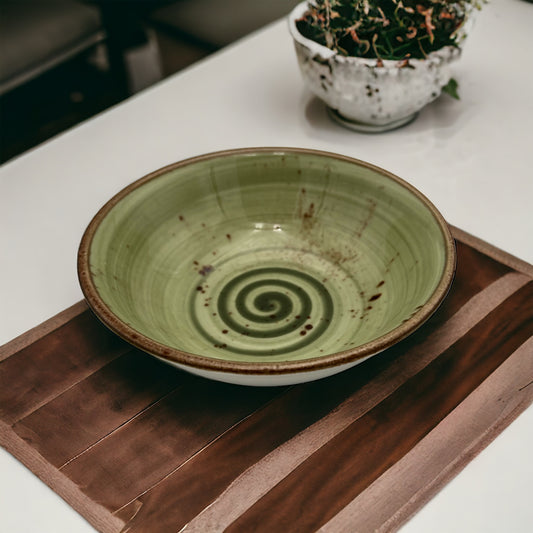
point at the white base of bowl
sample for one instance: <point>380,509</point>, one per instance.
<point>364,127</point>
<point>266,380</point>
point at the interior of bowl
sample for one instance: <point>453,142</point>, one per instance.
<point>266,256</point>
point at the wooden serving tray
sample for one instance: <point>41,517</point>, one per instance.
<point>135,445</point>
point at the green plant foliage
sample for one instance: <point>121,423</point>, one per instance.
<point>451,88</point>
<point>388,29</point>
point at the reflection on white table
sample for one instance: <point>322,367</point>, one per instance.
<point>472,158</point>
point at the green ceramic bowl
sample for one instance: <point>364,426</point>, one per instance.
<point>266,266</point>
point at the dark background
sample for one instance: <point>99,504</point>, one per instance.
<point>63,61</point>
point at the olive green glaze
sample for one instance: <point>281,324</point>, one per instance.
<point>268,260</point>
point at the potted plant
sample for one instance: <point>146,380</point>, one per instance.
<point>377,63</point>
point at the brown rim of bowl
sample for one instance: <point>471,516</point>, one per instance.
<point>173,355</point>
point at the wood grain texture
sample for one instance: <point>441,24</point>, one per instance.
<point>135,445</point>
<point>452,444</point>
<point>41,330</point>
<point>53,364</point>
<point>196,484</point>
<point>120,389</point>
<point>144,451</point>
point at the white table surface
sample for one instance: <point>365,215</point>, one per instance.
<point>472,158</point>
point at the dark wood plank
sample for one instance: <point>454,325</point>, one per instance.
<point>96,406</point>
<point>142,452</point>
<point>492,252</point>
<point>420,474</point>
<point>192,487</point>
<point>474,272</point>
<point>38,332</point>
<point>52,364</point>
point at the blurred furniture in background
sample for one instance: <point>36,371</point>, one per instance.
<point>37,36</point>
<point>214,24</point>
<point>63,61</point>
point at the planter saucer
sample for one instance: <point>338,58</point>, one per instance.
<point>364,127</point>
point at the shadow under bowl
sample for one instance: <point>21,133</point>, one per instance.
<point>266,266</point>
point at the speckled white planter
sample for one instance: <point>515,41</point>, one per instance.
<point>364,96</point>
